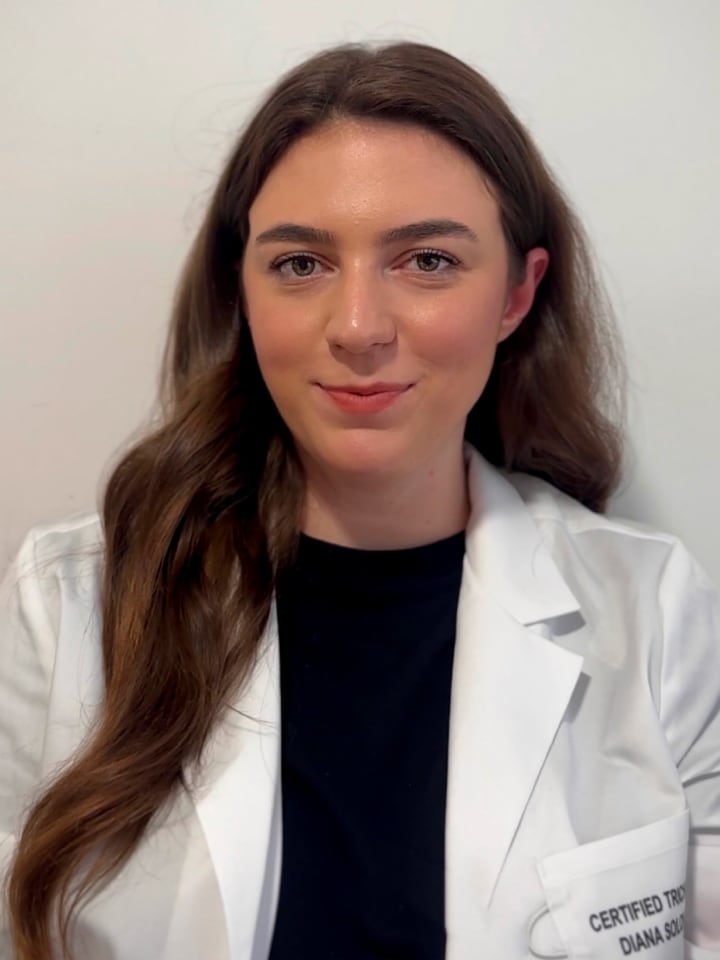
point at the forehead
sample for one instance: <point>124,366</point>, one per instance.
<point>354,171</point>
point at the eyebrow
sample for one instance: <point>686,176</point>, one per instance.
<point>422,230</point>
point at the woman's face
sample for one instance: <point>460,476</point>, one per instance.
<point>376,287</point>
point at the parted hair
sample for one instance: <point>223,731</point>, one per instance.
<point>201,515</point>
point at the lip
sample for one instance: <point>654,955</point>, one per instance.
<point>365,398</point>
<point>366,389</point>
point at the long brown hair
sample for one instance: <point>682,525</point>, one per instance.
<point>202,514</point>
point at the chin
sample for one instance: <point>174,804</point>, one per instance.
<point>368,455</point>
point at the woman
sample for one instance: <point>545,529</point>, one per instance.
<point>352,665</point>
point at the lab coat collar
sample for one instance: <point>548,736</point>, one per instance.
<point>505,552</point>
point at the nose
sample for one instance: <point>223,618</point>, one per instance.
<point>359,314</point>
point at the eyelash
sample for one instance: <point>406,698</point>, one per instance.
<point>451,262</point>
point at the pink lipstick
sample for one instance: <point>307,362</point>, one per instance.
<point>371,398</point>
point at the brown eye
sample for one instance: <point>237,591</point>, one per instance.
<point>432,261</point>
<point>302,266</point>
<point>428,262</point>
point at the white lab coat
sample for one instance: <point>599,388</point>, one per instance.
<point>585,721</point>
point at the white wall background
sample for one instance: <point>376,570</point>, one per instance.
<point>115,117</point>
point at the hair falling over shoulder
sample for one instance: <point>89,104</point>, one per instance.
<point>201,515</point>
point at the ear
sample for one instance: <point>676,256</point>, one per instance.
<point>520,297</point>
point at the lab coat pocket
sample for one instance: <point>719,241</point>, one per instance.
<point>623,896</point>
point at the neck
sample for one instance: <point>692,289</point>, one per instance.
<point>387,513</point>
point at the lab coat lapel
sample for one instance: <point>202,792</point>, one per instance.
<point>511,687</point>
<point>239,805</point>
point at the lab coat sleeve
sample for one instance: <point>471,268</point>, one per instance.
<point>690,713</point>
<point>28,599</point>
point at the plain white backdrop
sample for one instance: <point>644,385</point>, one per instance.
<point>116,117</point>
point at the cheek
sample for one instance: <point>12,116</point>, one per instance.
<point>280,341</point>
<point>269,347</point>
<point>270,336</point>
<point>461,336</point>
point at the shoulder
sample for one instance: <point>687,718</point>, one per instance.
<point>536,532</point>
<point>549,505</point>
<point>50,661</point>
<point>70,549</point>
<point>571,530</point>
<point>644,577</point>
<point>51,542</point>
<point>57,568</point>
<point>635,581</point>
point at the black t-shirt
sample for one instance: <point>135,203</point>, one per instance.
<point>366,651</point>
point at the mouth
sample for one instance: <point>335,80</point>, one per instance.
<point>365,398</point>
<point>366,389</point>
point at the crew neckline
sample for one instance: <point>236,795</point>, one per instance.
<point>332,563</point>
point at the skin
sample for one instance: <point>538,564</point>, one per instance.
<point>356,308</point>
